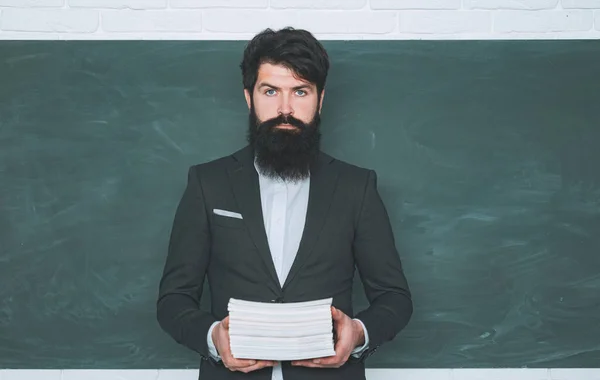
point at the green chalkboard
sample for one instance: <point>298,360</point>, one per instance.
<point>487,154</point>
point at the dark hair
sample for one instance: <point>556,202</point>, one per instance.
<point>296,49</point>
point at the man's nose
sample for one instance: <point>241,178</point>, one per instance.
<point>285,106</point>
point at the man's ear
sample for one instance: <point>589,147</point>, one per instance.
<point>247,96</point>
<point>321,101</point>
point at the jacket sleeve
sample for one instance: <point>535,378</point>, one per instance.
<point>380,269</point>
<point>180,288</point>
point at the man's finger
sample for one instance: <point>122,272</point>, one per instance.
<point>225,323</point>
<point>240,363</point>
<point>302,362</point>
<point>259,365</point>
<point>311,364</point>
<point>235,364</point>
<point>337,314</point>
<point>331,361</point>
<point>325,362</point>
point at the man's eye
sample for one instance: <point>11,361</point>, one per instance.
<point>300,92</point>
<point>270,92</point>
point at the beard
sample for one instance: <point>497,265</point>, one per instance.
<point>284,153</point>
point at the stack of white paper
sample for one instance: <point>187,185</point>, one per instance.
<point>280,331</point>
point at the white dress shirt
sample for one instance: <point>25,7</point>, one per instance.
<point>284,206</point>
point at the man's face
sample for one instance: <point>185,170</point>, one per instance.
<point>283,123</point>
<point>277,92</point>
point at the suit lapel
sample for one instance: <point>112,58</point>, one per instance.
<point>323,179</point>
<point>246,189</point>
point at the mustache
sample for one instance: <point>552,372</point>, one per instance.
<point>283,119</point>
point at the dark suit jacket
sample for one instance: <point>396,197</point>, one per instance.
<point>347,226</point>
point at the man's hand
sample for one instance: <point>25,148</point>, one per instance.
<point>349,334</point>
<point>220,336</point>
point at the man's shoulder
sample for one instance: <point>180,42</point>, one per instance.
<point>353,180</point>
<point>349,169</point>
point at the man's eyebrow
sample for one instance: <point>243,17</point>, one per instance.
<point>301,87</point>
<point>265,84</point>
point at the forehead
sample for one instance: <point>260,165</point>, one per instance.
<point>279,75</point>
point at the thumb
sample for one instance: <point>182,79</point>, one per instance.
<point>225,323</point>
<point>335,313</point>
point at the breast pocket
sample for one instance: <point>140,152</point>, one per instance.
<point>228,221</point>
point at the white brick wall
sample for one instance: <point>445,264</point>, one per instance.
<point>328,19</point>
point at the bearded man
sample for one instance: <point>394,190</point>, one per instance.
<point>281,221</point>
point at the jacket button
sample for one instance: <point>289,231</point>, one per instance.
<point>278,300</point>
